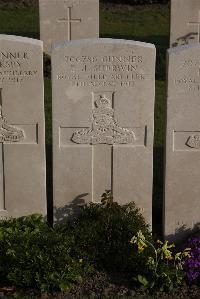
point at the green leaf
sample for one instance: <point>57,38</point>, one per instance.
<point>143,280</point>
<point>64,286</point>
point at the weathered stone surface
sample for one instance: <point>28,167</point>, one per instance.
<point>182,188</point>
<point>103,111</point>
<point>62,20</point>
<point>185,22</point>
<point>22,149</point>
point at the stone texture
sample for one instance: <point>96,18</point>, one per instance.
<point>182,174</point>
<point>22,148</point>
<point>62,20</point>
<point>185,22</point>
<point>103,111</point>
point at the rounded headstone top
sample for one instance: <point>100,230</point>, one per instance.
<point>91,41</point>
<point>21,39</point>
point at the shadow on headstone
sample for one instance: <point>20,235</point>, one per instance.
<point>182,233</point>
<point>184,40</point>
<point>69,211</point>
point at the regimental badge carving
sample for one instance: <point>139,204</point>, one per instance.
<point>194,141</point>
<point>8,132</point>
<point>105,129</point>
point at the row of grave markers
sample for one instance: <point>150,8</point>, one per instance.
<point>103,114</point>
<point>103,126</point>
<point>76,19</point>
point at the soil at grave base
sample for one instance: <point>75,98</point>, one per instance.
<point>114,285</point>
<point>100,285</point>
<point>18,3</point>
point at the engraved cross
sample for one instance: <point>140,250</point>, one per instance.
<point>69,22</point>
<point>198,26</point>
<point>104,136</point>
<point>12,134</point>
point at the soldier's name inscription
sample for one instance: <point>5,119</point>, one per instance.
<point>14,67</point>
<point>97,71</point>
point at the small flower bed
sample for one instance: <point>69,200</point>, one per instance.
<point>192,262</point>
<point>106,240</point>
<point>34,255</point>
<point>165,266</point>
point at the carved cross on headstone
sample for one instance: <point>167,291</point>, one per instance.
<point>69,22</point>
<point>104,135</point>
<point>10,134</point>
<point>198,26</point>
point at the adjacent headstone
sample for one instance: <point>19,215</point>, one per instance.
<point>22,149</point>
<point>185,22</point>
<point>182,187</point>
<point>62,20</point>
<point>103,115</point>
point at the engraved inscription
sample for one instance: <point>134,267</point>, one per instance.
<point>190,79</point>
<point>194,141</point>
<point>105,129</point>
<point>14,67</point>
<point>104,71</point>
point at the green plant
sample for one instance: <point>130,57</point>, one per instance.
<point>107,199</point>
<point>34,255</point>
<point>165,268</point>
<point>102,233</point>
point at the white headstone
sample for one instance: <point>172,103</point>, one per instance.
<point>62,20</point>
<point>22,148</point>
<point>182,188</point>
<point>185,22</point>
<point>103,114</point>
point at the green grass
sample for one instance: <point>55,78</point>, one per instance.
<point>23,22</point>
<point>148,24</point>
<point>143,23</point>
<point>135,22</point>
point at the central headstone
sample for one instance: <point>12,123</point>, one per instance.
<point>22,147</point>
<point>103,111</point>
<point>185,22</point>
<point>62,20</point>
